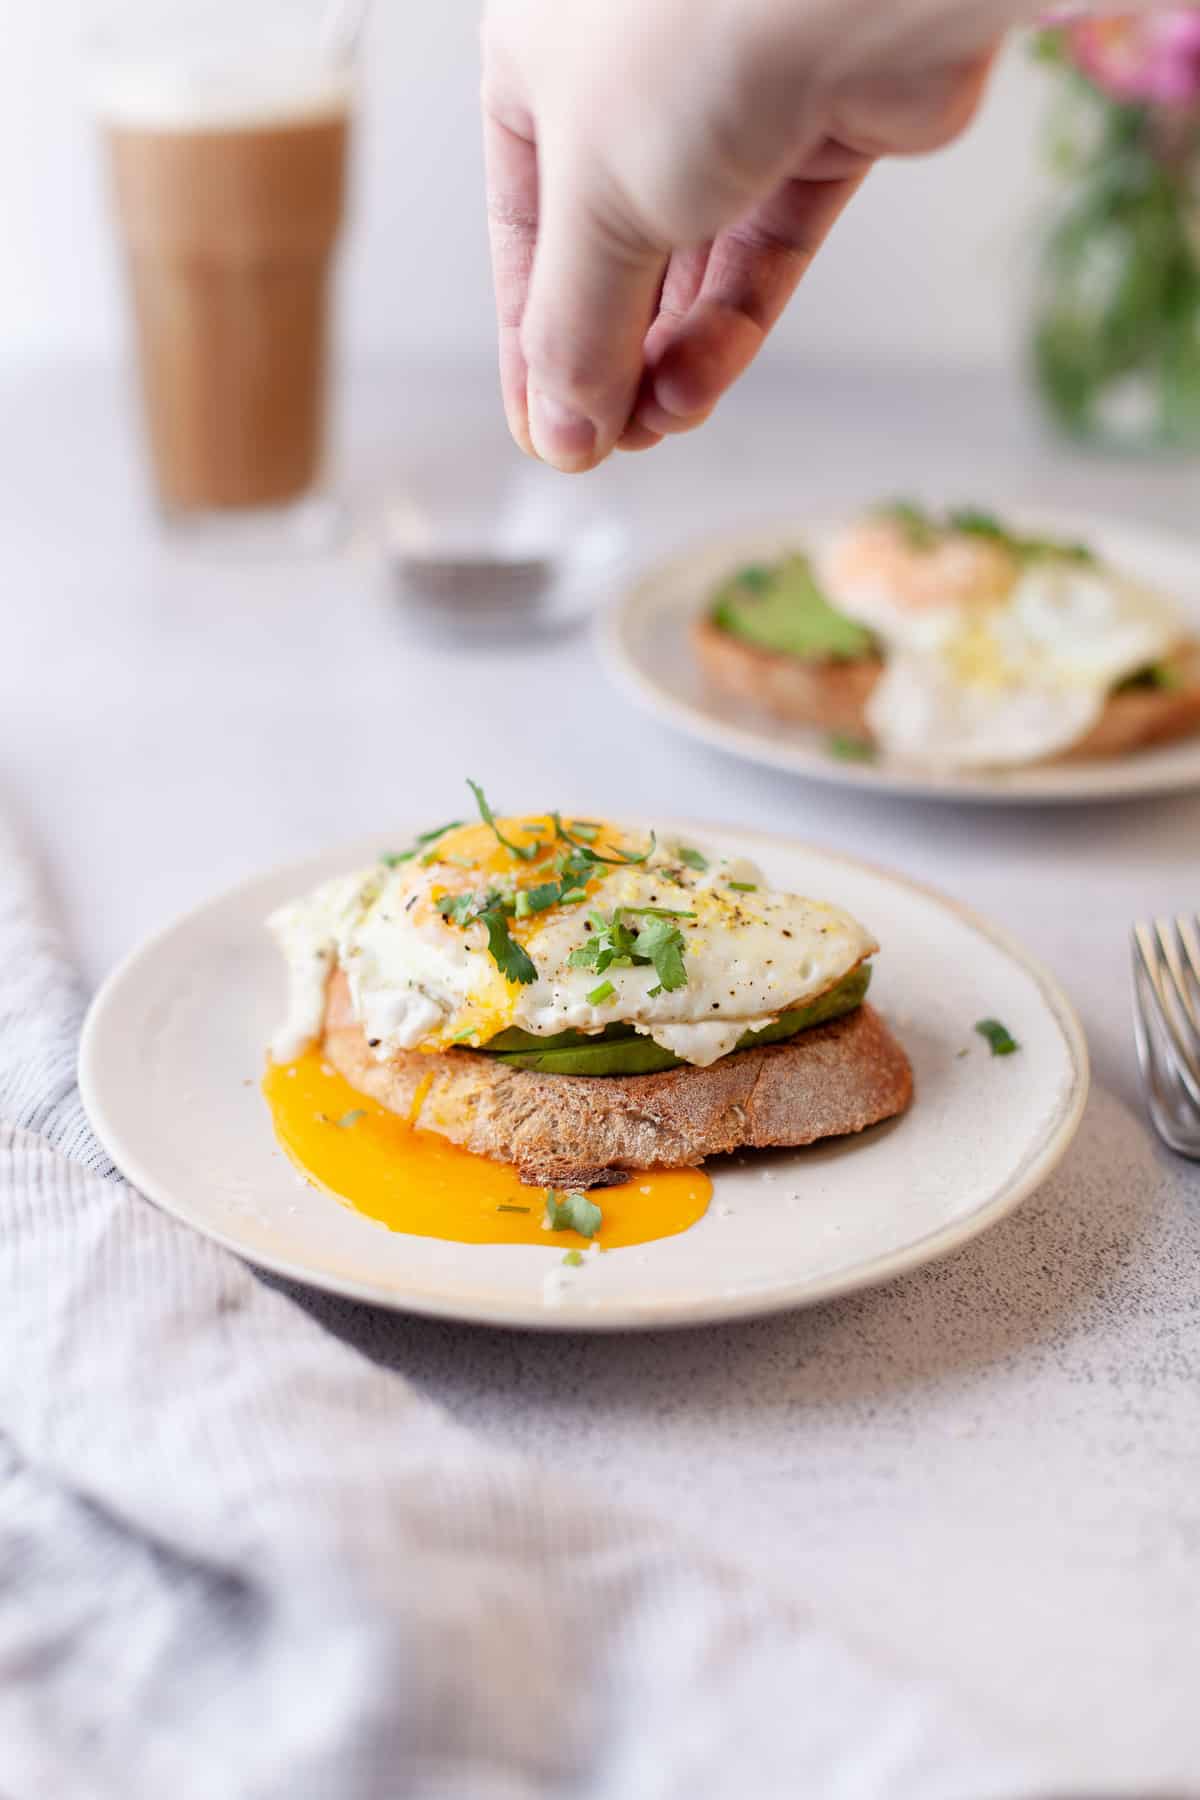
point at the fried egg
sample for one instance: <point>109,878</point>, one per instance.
<point>997,650</point>
<point>507,923</point>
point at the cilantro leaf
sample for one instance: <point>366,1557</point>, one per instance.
<point>539,898</point>
<point>661,942</point>
<point>572,1211</point>
<point>511,958</point>
<point>593,856</point>
<point>392,858</point>
<point>526,852</point>
<point>998,1036</point>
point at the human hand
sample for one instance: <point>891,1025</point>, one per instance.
<point>661,174</point>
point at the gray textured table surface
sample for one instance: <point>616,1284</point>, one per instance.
<point>993,1465</point>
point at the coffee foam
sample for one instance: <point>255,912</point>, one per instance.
<point>161,96</point>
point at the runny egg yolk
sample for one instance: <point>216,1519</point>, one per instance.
<point>418,1182</point>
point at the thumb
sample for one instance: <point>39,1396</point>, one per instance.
<point>592,296</point>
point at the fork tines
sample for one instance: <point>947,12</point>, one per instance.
<point>1166,1020</point>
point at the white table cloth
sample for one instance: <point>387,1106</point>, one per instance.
<point>991,1467</point>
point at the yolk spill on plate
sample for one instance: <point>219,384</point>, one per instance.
<point>418,1182</point>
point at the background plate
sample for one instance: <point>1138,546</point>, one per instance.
<point>173,1051</point>
<point>645,639</point>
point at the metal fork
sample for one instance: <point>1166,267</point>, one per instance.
<point>1166,1026</point>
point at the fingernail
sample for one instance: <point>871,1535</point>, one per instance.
<point>560,436</point>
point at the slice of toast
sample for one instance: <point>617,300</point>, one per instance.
<point>832,696</point>
<point>591,1131</point>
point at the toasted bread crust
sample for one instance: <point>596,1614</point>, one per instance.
<point>832,696</point>
<point>591,1131</point>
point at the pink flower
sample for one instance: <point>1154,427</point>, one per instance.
<point>1152,58</point>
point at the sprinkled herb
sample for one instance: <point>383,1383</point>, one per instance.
<point>692,858</point>
<point>662,942</point>
<point>919,529</point>
<point>574,1259</point>
<point>539,898</point>
<point>617,945</point>
<point>594,856</point>
<point>521,906</point>
<point>510,958</point>
<point>392,858</point>
<point>998,1036</point>
<point>347,1119</point>
<point>754,577</point>
<point>583,828</point>
<point>526,852</point>
<point>850,749</point>
<point>604,991</point>
<point>504,1207</point>
<point>459,907</point>
<point>744,887</point>
<point>572,1211</point>
<point>463,1036</point>
<point>659,912</point>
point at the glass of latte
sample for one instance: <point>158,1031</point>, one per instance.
<point>226,133</point>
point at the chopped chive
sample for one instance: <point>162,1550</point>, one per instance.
<point>693,858</point>
<point>463,1036</point>
<point>662,912</point>
<point>850,749</point>
<point>521,905</point>
<point>998,1036</point>
<point>506,1208</point>
<point>584,829</point>
<point>573,1259</point>
<point>348,1119</point>
<point>571,896</point>
<point>604,991</point>
<point>744,887</point>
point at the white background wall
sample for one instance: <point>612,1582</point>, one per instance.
<point>928,265</point>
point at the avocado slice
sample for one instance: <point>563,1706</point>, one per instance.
<point>781,608</point>
<point>619,1050</point>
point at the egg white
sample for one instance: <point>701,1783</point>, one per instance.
<point>418,980</point>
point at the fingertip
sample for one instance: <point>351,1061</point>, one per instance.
<point>637,436</point>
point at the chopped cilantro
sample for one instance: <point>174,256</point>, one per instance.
<point>572,1211</point>
<point>392,858</point>
<point>510,958</point>
<point>593,856</point>
<point>539,898</point>
<point>998,1036</point>
<point>614,944</point>
<point>744,887</point>
<point>459,907</point>
<point>850,749</point>
<point>692,858</point>
<point>604,991</point>
<point>526,852</point>
<point>662,943</point>
<point>491,911</point>
<point>919,529</point>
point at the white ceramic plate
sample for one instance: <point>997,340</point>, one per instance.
<point>173,1050</point>
<point>645,638</point>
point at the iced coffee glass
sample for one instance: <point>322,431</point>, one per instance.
<point>226,131</point>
